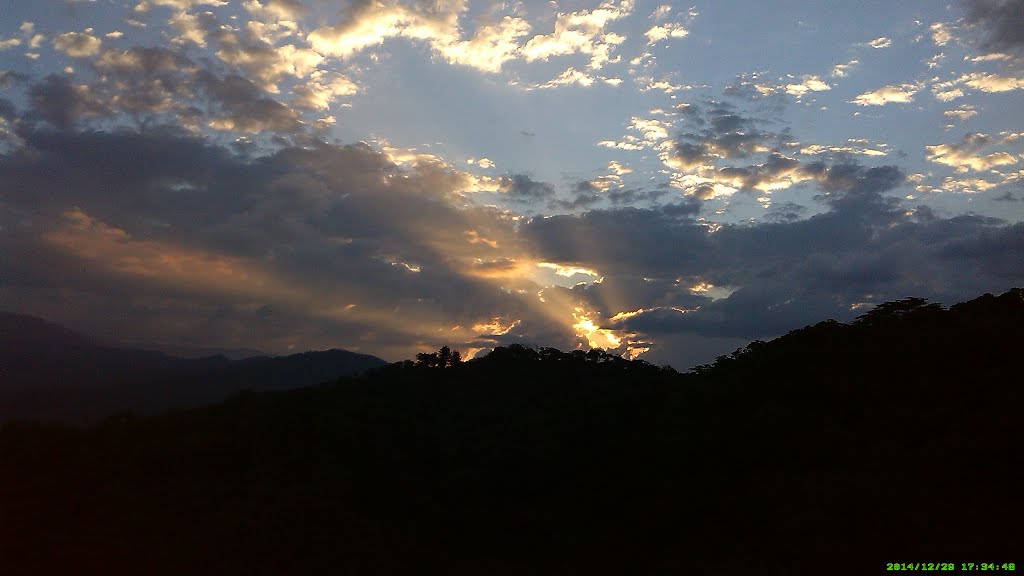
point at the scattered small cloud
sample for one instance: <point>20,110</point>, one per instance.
<point>880,42</point>
<point>77,44</point>
<point>843,70</point>
<point>902,93</point>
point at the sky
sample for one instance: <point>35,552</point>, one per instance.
<point>666,181</point>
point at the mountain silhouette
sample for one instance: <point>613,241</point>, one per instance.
<point>835,449</point>
<point>52,373</point>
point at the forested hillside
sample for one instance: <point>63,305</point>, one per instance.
<point>835,449</point>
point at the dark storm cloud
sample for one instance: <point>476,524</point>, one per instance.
<point>723,132</point>
<point>7,109</point>
<point>633,196</point>
<point>147,80</point>
<point>1006,197</point>
<point>1002,22</point>
<point>153,86</point>
<point>62,103</point>
<point>244,107</point>
<point>782,274</point>
<point>9,78</point>
<point>851,184</point>
<point>147,231</point>
<point>522,188</point>
<point>785,212</point>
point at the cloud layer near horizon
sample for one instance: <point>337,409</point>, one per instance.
<point>178,239</point>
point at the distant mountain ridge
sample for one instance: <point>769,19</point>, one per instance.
<point>49,372</point>
<point>198,351</point>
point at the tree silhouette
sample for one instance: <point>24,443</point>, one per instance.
<point>897,309</point>
<point>443,358</point>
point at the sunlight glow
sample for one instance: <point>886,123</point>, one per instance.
<point>567,271</point>
<point>596,336</point>
<point>495,327</point>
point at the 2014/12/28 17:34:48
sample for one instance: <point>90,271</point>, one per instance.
<point>950,567</point>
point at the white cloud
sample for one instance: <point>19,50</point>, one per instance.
<point>843,70</point>
<point>962,114</point>
<point>992,82</point>
<point>145,5</point>
<point>985,82</point>
<point>490,47</point>
<point>665,31</point>
<point>322,89</point>
<point>618,169</point>
<point>880,42</point>
<point>189,29</point>
<point>967,155</point>
<point>275,9</point>
<point>567,77</point>
<point>269,64</point>
<point>581,32</point>
<point>661,12</point>
<point>807,83</point>
<point>77,44</point>
<point>941,34</point>
<point>887,94</point>
<point>994,56</point>
<point>370,25</point>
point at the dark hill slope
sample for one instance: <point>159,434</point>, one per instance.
<point>49,372</point>
<point>833,450</point>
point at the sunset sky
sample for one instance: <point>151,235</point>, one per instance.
<point>669,181</point>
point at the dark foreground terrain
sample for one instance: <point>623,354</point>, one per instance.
<point>833,450</point>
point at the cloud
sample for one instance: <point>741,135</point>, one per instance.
<point>985,82</point>
<point>843,70</point>
<point>903,93</point>
<point>880,42</point>
<point>992,82</point>
<point>180,5</point>
<point>276,9</point>
<point>581,32</point>
<point>521,188</point>
<point>265,63</point>
<point>9,78</point>
<point>369,24</point>
<point>660,12</point>
<point>490,47</point>
<point>62,103</point>
<point>664,32</point>
<point>966,155</point>
<point>193,241</point>
<point>809,83</point>
<point>192,28</point>
<point>782,274</point>
<point>322,90</point>
<point>328,245</point>
<point>1002,23</point>
<point>568,77</point>
<point>961,114</point>
<point>941,33</point>
<point>77,44</point>
<point>243,107</point>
